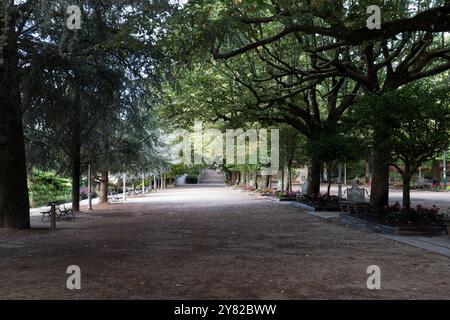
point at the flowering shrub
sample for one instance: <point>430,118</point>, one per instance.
<point>397,215</point>
<point>248,188</point>
<point>318,198</point>
<point>285,194</point>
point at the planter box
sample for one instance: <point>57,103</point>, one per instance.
<point>370,226</point>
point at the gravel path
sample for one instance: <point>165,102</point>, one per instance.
<point>212,243</point>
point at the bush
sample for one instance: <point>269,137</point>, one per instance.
<point>318,198</point>
<point>397,215</point>
<point>285,194</point>
<point>47,186</point>
<point>192,179</point>
<point>248,188</point>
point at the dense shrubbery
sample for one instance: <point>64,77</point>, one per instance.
<point>266,191</point>
<point>248,188</point>
<point>321,201</point>
<point>319,198</point>
<point>285,194</point>
<point>397,215</point>
<point>192,179</point>
<point>47,186</point>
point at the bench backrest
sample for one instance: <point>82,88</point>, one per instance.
<point>304,187</point>
<point>356,194</point>
<point>421,182</point>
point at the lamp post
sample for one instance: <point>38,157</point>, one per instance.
<point>340,181</point>
<point>445,170</point>
<point>345,174</point>
<point>89,188</point>
<point>124,187</point>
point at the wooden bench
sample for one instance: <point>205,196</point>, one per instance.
<point>61,211</point>
<point>356,200</point>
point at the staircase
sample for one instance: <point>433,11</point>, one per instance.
<point>212,177</point>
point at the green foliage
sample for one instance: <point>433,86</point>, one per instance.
<point>192,178</point>
<point>410,216</point>
<point>178,170</point>
<point>414,121</point>
<point>85,92</point>
<point>293,147</point>
<point>356,169</point>
<point>329,146</point>
<point>47,186</point>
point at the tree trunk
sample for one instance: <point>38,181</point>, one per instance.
<point>76,150</point>
<point>104,187</point>
<point>407,190</point>
<point>368,178</point>
<point>14,203</point>
<point>267,183</point>
<point>282,179</point>
<point>76,176</point>
<point>436,172</point>
<point>379,197</point>
<point>314,177</point>
<point>329,170</point>
<point>289,178</point>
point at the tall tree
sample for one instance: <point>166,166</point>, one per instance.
<point>334,36</point>
<point>417,120</point>
<point>115,38</point>
<point>14,205</point>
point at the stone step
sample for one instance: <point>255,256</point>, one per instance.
<point>212,177</point>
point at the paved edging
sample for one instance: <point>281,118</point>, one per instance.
<point>440,245</point>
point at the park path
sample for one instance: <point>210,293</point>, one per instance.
<point>212,243</point>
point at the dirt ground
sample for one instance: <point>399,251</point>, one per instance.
<point>214,243</point>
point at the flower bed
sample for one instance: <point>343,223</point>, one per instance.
<point>248,188</point>
<point>321,202</point>
<point>286,196</point>
<point>415,220</point>
<point>396,215</point>
<point>265,192</point>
